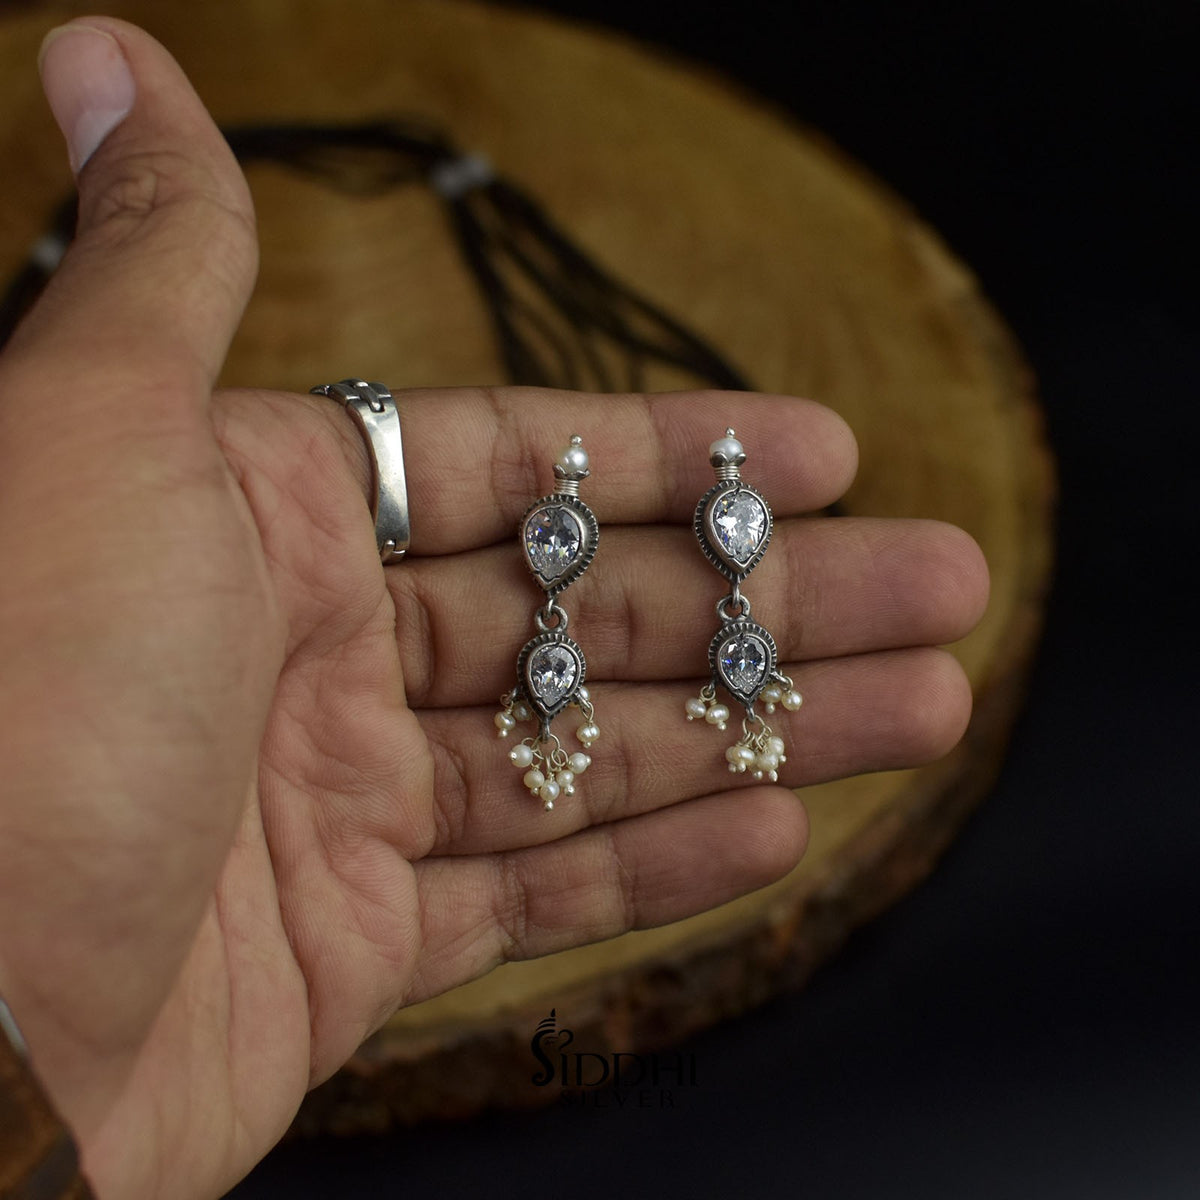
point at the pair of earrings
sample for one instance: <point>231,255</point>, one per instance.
<point>559,535</point>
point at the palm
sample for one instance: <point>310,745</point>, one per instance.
<point>313,927</point>
<point>345,774</point>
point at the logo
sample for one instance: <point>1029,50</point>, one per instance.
<point>618,1079</point>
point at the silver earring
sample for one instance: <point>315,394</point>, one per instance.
<point>733,524</point>
<point>559,534</point>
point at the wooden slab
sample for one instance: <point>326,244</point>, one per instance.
<point>804,270</point>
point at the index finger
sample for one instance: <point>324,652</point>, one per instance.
<point>476,458</point>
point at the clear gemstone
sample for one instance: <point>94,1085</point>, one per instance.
<point>553,671</point>
<point>553,541</point>
<point>740,521</point>
<point>744,663</point>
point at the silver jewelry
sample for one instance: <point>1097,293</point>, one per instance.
<point>733,524</point>
<point>559,534</point>
<point>373,410</point>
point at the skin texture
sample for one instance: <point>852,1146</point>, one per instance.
<point>253,799</point>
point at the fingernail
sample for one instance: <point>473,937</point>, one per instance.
<point>88,86</point>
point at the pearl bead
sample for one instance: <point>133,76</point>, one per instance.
<point>771,694</point>
<point>776,747</point>
<point>745,756</point>
<point>549,791</point>
<point>504,723</point>
<point>521,711</point>
<point>521,755</point>
<point>767,761</point>
<point>695,709</point>
<point>581,693</point>
<point>573,460</point>
<point>587,734</point>
<point>728,447</point>
<point>566,780</point>
<point>534,779</point>
<point>717,715</point>
<point>792,701</point>
<point>579,762</point>
<point>548,805</point>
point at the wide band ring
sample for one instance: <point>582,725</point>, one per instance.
<point>374,412</point>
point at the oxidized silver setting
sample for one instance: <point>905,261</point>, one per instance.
<point>742,657</point>
<point>549,687</point>
<point>734,555</point>
<point>733,524</point>
<point>556,571</point>
<point>558,535</point>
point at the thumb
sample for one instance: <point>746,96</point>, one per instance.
<point>165,255</point>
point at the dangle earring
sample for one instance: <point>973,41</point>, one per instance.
<point>733,524</point>
<point>559,534</point>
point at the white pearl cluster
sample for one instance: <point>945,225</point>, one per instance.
<point>705,708</point>
<point>550,772</point>
<point>759,750</point>
<point>781,693</point>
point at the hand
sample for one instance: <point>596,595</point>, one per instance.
<point>253,799</point>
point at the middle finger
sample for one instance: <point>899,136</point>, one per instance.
<point>828,587</point>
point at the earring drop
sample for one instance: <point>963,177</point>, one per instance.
<point>733,524</point>
<point>559,534</point>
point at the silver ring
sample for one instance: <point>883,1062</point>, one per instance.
<point>374,412</point>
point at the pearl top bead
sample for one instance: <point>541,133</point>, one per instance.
<point>573,461</point>
<point>727,451</point>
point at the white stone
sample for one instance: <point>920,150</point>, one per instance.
<point>744,662</point>
<point>554,540</point>
<point>740,521</point>
<point>553,671</point>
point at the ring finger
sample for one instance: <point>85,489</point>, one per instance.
<point>870,712</point>
<point>827,587</point>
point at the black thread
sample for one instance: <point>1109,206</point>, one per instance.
<point>594,331</point>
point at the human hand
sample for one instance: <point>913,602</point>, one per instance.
<point>253,799</point>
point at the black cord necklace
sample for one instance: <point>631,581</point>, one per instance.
<point>509,242</point>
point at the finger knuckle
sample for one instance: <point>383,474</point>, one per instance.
<point>141,193</point>
<point>511,913</point>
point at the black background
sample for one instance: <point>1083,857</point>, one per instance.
<point>1028,1023</point>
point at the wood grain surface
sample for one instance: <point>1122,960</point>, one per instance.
<point>805,271</point>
